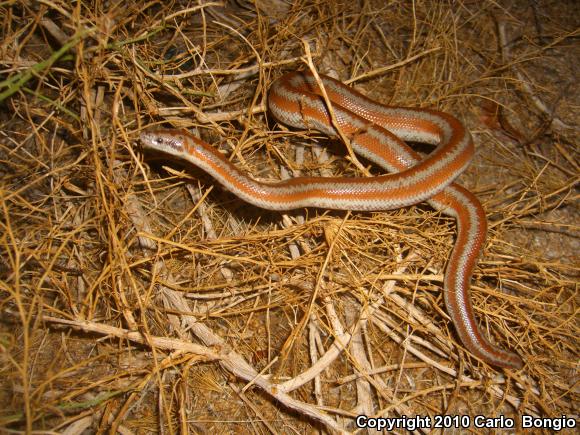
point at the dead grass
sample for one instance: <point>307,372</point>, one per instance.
<point>136,297</point>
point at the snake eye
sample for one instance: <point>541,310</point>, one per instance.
<point>164,141</point>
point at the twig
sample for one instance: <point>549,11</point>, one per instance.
<point>549,113</point>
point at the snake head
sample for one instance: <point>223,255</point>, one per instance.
<point>169,141</point>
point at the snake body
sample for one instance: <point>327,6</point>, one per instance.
<point>376,132</point>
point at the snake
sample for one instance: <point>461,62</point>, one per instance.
<point>378,133</point>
